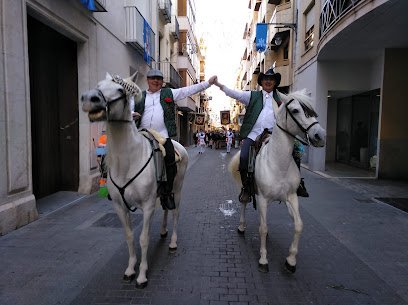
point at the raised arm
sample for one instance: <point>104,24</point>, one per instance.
<point>242,96</point>
<point>180,93</point>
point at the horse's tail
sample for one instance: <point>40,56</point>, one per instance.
<point>233,168</point>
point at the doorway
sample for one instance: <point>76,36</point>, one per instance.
<point>54,110</point>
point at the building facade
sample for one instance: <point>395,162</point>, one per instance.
<point>51,52</point>
<point>351,55</point>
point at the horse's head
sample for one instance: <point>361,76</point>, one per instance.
<point>297,117</point>
<point>111,99</point>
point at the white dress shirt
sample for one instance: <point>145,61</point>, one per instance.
<point>153,115</point>
<point>266,118</point>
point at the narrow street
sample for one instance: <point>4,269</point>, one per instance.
<point>349,251</point>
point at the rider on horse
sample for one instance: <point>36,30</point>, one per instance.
<point>259,116</point>
<point>157,110</point>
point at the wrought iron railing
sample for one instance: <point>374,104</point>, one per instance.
<point>165,8</point>
<point>332,11</point>
<point>175,27</point>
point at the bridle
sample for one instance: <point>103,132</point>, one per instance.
<point>129,90</point>
<point>305,140</point>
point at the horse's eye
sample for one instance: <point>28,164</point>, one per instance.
<point>294,111</point>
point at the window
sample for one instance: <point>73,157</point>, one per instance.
<point>309,26</point>
<point>309,38</point>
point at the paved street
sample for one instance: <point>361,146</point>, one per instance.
<point>353,249</point>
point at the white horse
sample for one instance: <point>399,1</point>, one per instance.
<point>276,175</point>
<point>132,176</point>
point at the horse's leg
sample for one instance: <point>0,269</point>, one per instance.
<point>293,207</point>
<point>124,217</point>
<point>263,232</point>
<point>242,222</point>
<point>176,213</point>
<point>163,229</point>
<point>148,211</point>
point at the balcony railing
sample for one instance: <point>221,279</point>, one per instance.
<point>165,9</point>
<point>135,27</point>
<point>332,11</point>
<point>171,77</point>
<point>175,28</point>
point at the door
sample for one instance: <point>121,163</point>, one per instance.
<point>54,110</point>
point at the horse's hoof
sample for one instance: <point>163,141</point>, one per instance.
<point>240,232</point>
<point>141,285</point>
<point>163,235</point>
<point>172,249</point>
<point>290,268</point>
<point>129,278</point>
<point>263,268</point>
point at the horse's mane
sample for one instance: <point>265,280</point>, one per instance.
<point>305,101</point>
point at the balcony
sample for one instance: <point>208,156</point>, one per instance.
<point>186,104</point>
<point>171,77</point>
<point>165,10</point>
<point>136,25</point>
<point>95,6</point>
<point>332,11</point>
<point>175,27</point>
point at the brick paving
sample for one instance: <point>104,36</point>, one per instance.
<point>216,266</point>
<point>352,250</point>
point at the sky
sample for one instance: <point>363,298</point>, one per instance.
<point>221,23</point>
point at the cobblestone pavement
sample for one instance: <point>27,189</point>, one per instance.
<point>352,251</point>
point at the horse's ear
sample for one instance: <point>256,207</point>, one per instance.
<point>108,76</point>
<point>283,97</point>
<point>133,77</point>
<point>304,91</point>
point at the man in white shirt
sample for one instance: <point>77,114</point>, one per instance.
<point>230,136</point>
<point>259,116</point>
<point>158,111</point>
<point>201,140</point>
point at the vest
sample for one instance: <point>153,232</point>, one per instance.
<point>169,110</point>
<point>253,110</point>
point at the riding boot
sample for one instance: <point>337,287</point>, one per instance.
<point>244,196</point>
<point>301,191</point>
<point>167,197</point>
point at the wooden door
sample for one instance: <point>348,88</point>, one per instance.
<point>54,110</point>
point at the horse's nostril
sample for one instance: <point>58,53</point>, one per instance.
<point>82,98</point>
<point>317,137</point>
<point>95,99</point>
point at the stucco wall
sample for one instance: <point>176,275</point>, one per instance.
<point>393,140</point>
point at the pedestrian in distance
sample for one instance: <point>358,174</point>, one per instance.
<point>259,117</point>
<point>157,110</point>
<point>229,137</point>
<point>201,140</point>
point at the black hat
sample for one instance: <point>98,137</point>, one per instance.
<point>269,73</point>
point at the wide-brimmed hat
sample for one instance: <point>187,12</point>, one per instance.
<point>270,73</point>
<point>154,73</point>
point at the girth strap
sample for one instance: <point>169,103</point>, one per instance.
<point>122,189</point>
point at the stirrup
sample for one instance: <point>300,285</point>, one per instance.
<point>301,191</point>
<point>167,201</point>
<point>244,196</point>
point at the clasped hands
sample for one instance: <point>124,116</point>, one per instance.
<point>214,81</point>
